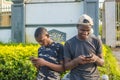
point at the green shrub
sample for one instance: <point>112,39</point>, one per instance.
<point>15,63</point>
<point>100,30</point>
<point>111,67</point>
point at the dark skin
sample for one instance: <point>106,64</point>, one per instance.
<point>45,40</point>
<point>83,34</point>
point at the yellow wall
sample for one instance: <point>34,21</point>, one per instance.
<point>5,20</point>
<point>5,13</point>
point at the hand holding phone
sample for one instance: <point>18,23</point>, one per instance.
<point>89,56</point>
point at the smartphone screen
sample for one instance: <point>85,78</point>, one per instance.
<point>89,56</point>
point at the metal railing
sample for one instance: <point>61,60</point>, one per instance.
<point>118,21</point>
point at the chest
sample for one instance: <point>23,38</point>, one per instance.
<point>83,48</point>
<point>47,52</point>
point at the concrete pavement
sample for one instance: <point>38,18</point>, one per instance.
<point>116,52</point>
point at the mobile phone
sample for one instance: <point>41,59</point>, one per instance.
<point>88,56</point>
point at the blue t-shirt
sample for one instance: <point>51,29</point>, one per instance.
<point>54,54</point>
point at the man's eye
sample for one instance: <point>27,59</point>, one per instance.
<point>85,30</point>
<point>41,40</point>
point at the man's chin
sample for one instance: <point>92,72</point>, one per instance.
<point>85,37</point>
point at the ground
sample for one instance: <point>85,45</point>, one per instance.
<point>116,52</point>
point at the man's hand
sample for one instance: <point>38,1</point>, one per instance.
<point>82,59</point>
<point>92,59</point>
<point>37,62</point>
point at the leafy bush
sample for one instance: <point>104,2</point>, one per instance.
<point>100,30</point>
<point>15,63</point>
<point>111,67</point>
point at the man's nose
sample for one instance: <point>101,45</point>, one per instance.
<point>85,32</point>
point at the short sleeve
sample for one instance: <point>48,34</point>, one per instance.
<point>98,46</point>
<point>67,51</point>
<point>60,51</point>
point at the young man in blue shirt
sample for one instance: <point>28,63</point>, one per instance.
<point>50,56</point>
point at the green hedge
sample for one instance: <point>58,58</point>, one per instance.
<point>111,67</point>
<point>15,63</point>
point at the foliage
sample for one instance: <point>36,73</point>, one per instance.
<point>100,30</point>
<point>15,63</point>
<point>111,67</point>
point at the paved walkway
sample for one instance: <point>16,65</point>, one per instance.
<point>116,52</point>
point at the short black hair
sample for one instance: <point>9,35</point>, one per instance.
<point>40,31</point>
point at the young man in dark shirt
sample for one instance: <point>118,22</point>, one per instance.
<point>83,52</point>
<point>50,56</point>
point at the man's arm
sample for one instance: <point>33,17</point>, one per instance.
<point>56,67</point>
<point>41,62</point>
<point>70,64</point>
<point>99,60</point>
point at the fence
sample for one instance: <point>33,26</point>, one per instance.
<point>118,23</point>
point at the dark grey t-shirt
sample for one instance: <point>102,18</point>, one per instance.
<point>74,48</point>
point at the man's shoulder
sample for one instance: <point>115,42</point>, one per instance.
<point>71,39</point>
<point>94,38</point>
<point>57,45</point>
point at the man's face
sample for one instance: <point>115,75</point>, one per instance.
<point>83,31</point>
<point>43,40</point>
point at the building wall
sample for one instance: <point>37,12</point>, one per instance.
<point>110,23</point>
<point>53,13</point>
<point>5,13</point>
<point>59,16</point>
<point>5,20</point>
<point>31,1</point>
<point>71,31</point>
<point>5,35</point>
